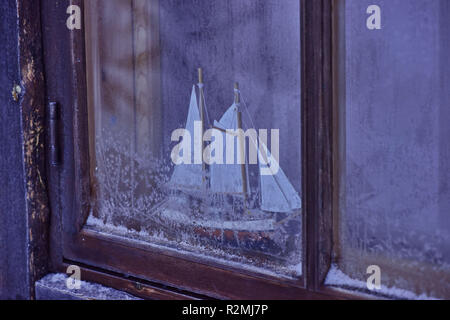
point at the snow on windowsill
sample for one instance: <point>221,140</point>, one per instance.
<point>338,279</point>
<point>87,291</point>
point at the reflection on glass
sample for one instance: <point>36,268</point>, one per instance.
<point>203,161</point>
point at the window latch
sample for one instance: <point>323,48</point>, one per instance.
<point>54,116</point>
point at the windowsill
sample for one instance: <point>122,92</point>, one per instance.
<point>53,287</point>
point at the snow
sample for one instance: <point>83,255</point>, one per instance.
<point>87,291</point>
<point>337,278</point>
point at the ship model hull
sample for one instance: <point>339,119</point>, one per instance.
<point>224,221</point>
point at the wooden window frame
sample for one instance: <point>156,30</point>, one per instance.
<point>157,273</point>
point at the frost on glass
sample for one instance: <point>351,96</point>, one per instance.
<point>395,195</point>
<point>144,58</point>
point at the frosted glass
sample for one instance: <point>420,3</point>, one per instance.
<point>395,169</point>
<point>143,58</point>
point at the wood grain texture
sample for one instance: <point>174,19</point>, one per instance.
<point>317,136</point>
<point>169,268</point>
<point>34,124</point>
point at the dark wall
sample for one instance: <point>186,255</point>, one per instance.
<point>13,252</point>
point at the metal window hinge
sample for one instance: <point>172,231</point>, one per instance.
<point>54,116</point>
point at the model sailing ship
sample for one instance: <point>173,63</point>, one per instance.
<point>217,199</point>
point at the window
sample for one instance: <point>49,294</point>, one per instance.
<point>149,105</point>
<point>137,86</point>
<point>394,152</point>
<point>144,204</point>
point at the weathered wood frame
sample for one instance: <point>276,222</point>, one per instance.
<point>156,273</point>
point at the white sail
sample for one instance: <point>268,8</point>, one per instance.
<point>227,178</point>
<point>277,193</point>
<point>189,175</point>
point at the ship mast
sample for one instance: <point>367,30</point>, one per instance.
<point>241,137</point>
<point>202,119</point>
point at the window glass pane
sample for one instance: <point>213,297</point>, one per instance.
<point>395,149</point>
<point>238,201</point>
